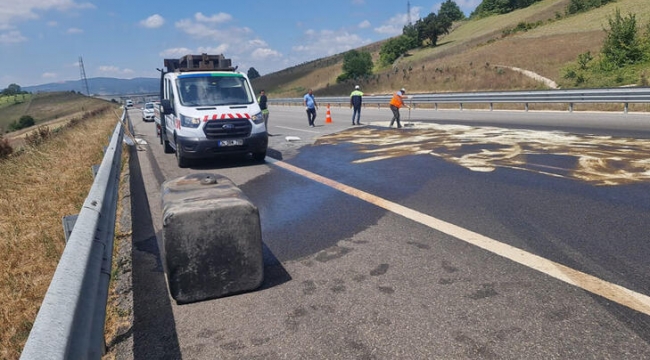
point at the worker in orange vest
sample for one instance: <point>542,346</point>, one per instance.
<point>395,104</point>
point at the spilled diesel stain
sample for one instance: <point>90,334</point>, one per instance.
<point>600,160</point>
<point>379,270</point>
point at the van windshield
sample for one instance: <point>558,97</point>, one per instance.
<point>213,90</point>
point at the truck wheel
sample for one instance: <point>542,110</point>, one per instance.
<point>259,156</point>
<point>180,159</point>
<point>168,148</point>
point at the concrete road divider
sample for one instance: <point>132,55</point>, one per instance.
<point>211,238</point>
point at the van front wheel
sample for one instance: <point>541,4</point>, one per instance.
<point>259,156</point>
<point>180,159</point>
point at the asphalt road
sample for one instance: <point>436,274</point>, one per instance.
<point>468,235</point>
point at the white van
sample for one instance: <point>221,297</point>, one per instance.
<point>209,109</point>
<point>129,103</point>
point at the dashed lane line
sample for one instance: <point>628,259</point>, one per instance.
<point>608,290</point>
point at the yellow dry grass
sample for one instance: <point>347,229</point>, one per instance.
<point>37,188</point>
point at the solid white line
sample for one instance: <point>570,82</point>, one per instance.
<point>611,291</point>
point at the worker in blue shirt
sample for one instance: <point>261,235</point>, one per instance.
<point>310,107</point>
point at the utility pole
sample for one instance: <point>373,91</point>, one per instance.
<point>84,81</point>
<point>408,12</point>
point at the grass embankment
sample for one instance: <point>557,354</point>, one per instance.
<point>37,188</point>
<point>475,56</point>
<point>53,109</point>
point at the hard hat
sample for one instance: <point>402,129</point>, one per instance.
<point>403,90</point>
<point>356,87</point>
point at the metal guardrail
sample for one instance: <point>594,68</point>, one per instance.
<point>70,322</point>
<point>609,95</point>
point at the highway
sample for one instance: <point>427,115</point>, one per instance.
<point>463,235</point>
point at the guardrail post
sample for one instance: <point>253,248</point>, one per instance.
<point>625,108</point>
<point>461,106</point>
<point>491,107</point>
<point>570,107</point>
<point>526,106</point>
<point>435,106</point>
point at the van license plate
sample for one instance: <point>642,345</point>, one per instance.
<point>236,142</point>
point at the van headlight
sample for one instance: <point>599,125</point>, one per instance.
<point>190,122</point>
<point>257,118</point>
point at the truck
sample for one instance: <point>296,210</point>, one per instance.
<point>208,109</point>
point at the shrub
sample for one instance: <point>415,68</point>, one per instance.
<point>39,136</point>
<point>622,45</point>
<point>24,122</point>
<point>5,148</point>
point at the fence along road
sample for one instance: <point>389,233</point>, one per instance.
<point>623,96</point>
<point>70,322</point>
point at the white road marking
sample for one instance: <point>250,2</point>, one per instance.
<point>608,290</point>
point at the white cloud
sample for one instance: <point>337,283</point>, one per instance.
<point>209,30</point>
<point>395,25</point>
<point>364,24</point>
<point>153,21</point>
<point>216,35</point>
<point>175,52</point>
<point>114,70</point>
<point>328,42</point>
<point>49,75</point>
<point>13,12</point>
<point>12,37</point>
<point>52,23</point>
<point>265,54</point>
<point>74,31</point>
<point>212,50</point>
<point>257,43</point>
<point>215,19</point>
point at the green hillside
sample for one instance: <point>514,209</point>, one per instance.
<point>475,55</point>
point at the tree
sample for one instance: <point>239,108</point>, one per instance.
<point>394,48</point>
<point>451,11</point>
<point>12,89</point>
<point>24,122</point>
<point>410,32</point>
<point>356,64</point>
<point>622,45</point>
<point>433,26</point>
<point>253,74</point>
<point>491,7</point>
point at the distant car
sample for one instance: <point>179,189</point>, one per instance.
<point>129,103</point>
<point>148,112</point>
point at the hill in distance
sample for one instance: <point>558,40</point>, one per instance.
<point>102,86</point>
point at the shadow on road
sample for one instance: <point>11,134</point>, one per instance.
<point>154,328</point>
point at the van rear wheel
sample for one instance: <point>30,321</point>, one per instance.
<point>168,148</point>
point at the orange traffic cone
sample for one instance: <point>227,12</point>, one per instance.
<point>328,115</point>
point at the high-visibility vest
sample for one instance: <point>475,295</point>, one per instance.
<point>397,100</point>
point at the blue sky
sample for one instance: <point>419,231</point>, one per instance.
<point>41,40</point>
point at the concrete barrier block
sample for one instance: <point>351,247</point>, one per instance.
<point>211,238</point>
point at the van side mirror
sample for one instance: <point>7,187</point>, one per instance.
<point>166,106</point>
